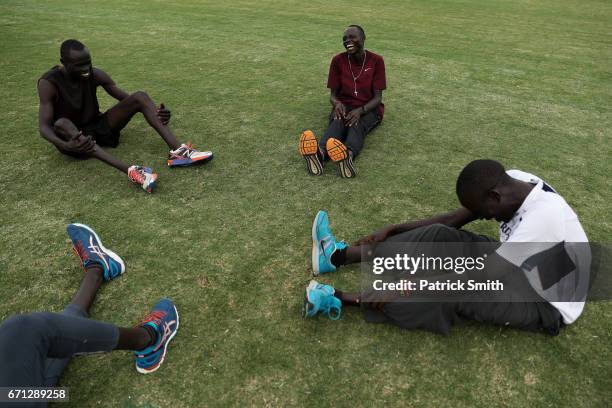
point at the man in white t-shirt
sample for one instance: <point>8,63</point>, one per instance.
<point>539,244</point>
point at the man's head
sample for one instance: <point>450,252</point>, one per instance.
<point>484,188</point>
<point>353,39</point>
<point>76,59</point>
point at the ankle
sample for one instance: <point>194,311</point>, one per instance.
<point>96,270</point>
<point>338,258</point>
<point>147,336</point>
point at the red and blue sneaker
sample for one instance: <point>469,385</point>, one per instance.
<point>186,155</point>
<point>164,320</point>
<point>143,176</point>
<point>88,247</point>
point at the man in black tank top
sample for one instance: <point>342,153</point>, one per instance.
<point>70,117</point>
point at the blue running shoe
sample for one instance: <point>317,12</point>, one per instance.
<point>164,319</point>
<point>324,244</point>
<point>320,299</point>
<point>88,247</point>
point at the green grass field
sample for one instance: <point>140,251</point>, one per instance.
<point>526,82</point>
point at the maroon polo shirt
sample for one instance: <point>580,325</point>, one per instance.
<point>372,78</point>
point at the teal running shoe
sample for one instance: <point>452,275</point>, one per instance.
<point>164,320</point>
<point>320,299</point>
<point>324,244</point>
<point>88,247</point>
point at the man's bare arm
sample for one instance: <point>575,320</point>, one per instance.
<point>454,219</point>
<point>47,94</point>
<point>76,142</point>
<point>353,116</point>
<point>106,82</point>
<point>339,108</point>
<point>374,102</point>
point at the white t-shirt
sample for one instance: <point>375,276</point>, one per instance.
<point>544,219</point>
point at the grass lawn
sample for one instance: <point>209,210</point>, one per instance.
<point>526,82</point>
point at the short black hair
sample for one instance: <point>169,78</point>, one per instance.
<point>478,177</point>
<point>69,45</point>
<point>360,30</point>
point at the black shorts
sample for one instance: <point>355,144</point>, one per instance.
<point>102,133</point>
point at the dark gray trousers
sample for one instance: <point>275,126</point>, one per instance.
<point>353,137</point>
<point>439,317</point>
<point>35,348</point>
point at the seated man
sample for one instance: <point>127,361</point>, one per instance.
<point>356,81</point>
<point>69,115</point>
<point>528,210</point>
<point>35,348</point>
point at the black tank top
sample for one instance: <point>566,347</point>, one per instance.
<point>76,100</point>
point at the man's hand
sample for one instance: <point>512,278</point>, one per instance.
<point>352,117</point>
<point>80,144</point>
<point>377,300</point>
<point>163,114</point>
<point>339,111</point>
<point>378,236</point>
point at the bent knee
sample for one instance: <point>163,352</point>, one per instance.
<point>64,127</point>
<point>140,97</point>
<point>23,325</point>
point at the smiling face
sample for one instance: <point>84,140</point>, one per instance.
<point>353,40</point>
<point>78,64</point>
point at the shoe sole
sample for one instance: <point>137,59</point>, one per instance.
<point>307,303</point>
<point>346,169</point>
<point>152,184</point>
<point>308,149</point>
<point>107,251</point>
<point>338,153</point>
<point>315,246</point>
<point>188,162</point>
<point>156,367</point>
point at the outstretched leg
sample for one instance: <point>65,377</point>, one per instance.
<point>65,129</point>
<point>357,133</point>
<point>335,129</point>
<point>119,115</point>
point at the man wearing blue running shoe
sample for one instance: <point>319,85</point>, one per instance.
<point>528,210</point>
<point>35,348</point>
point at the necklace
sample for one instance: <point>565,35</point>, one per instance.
<point>355,78</point>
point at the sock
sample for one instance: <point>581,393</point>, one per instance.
<point>152,333</point>
<point>338,294</point>
<point>338,258</point>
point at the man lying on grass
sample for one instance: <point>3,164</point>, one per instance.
<point>529,211</point>
<point>69,115</point>
<point>356,81</point>
<point>35,348</point>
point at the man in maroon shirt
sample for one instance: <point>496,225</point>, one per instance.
<point>70,118</point>
<point>356,81</point>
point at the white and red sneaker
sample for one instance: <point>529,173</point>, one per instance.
<point>186,155</point>
<point>143,176</point>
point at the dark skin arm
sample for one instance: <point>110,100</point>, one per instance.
<point>455,219</point>
<point>77,143</point>
<point>111,88</point>
<point>353,116</point>
<point>106,82</point>
<point>339,108</point>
